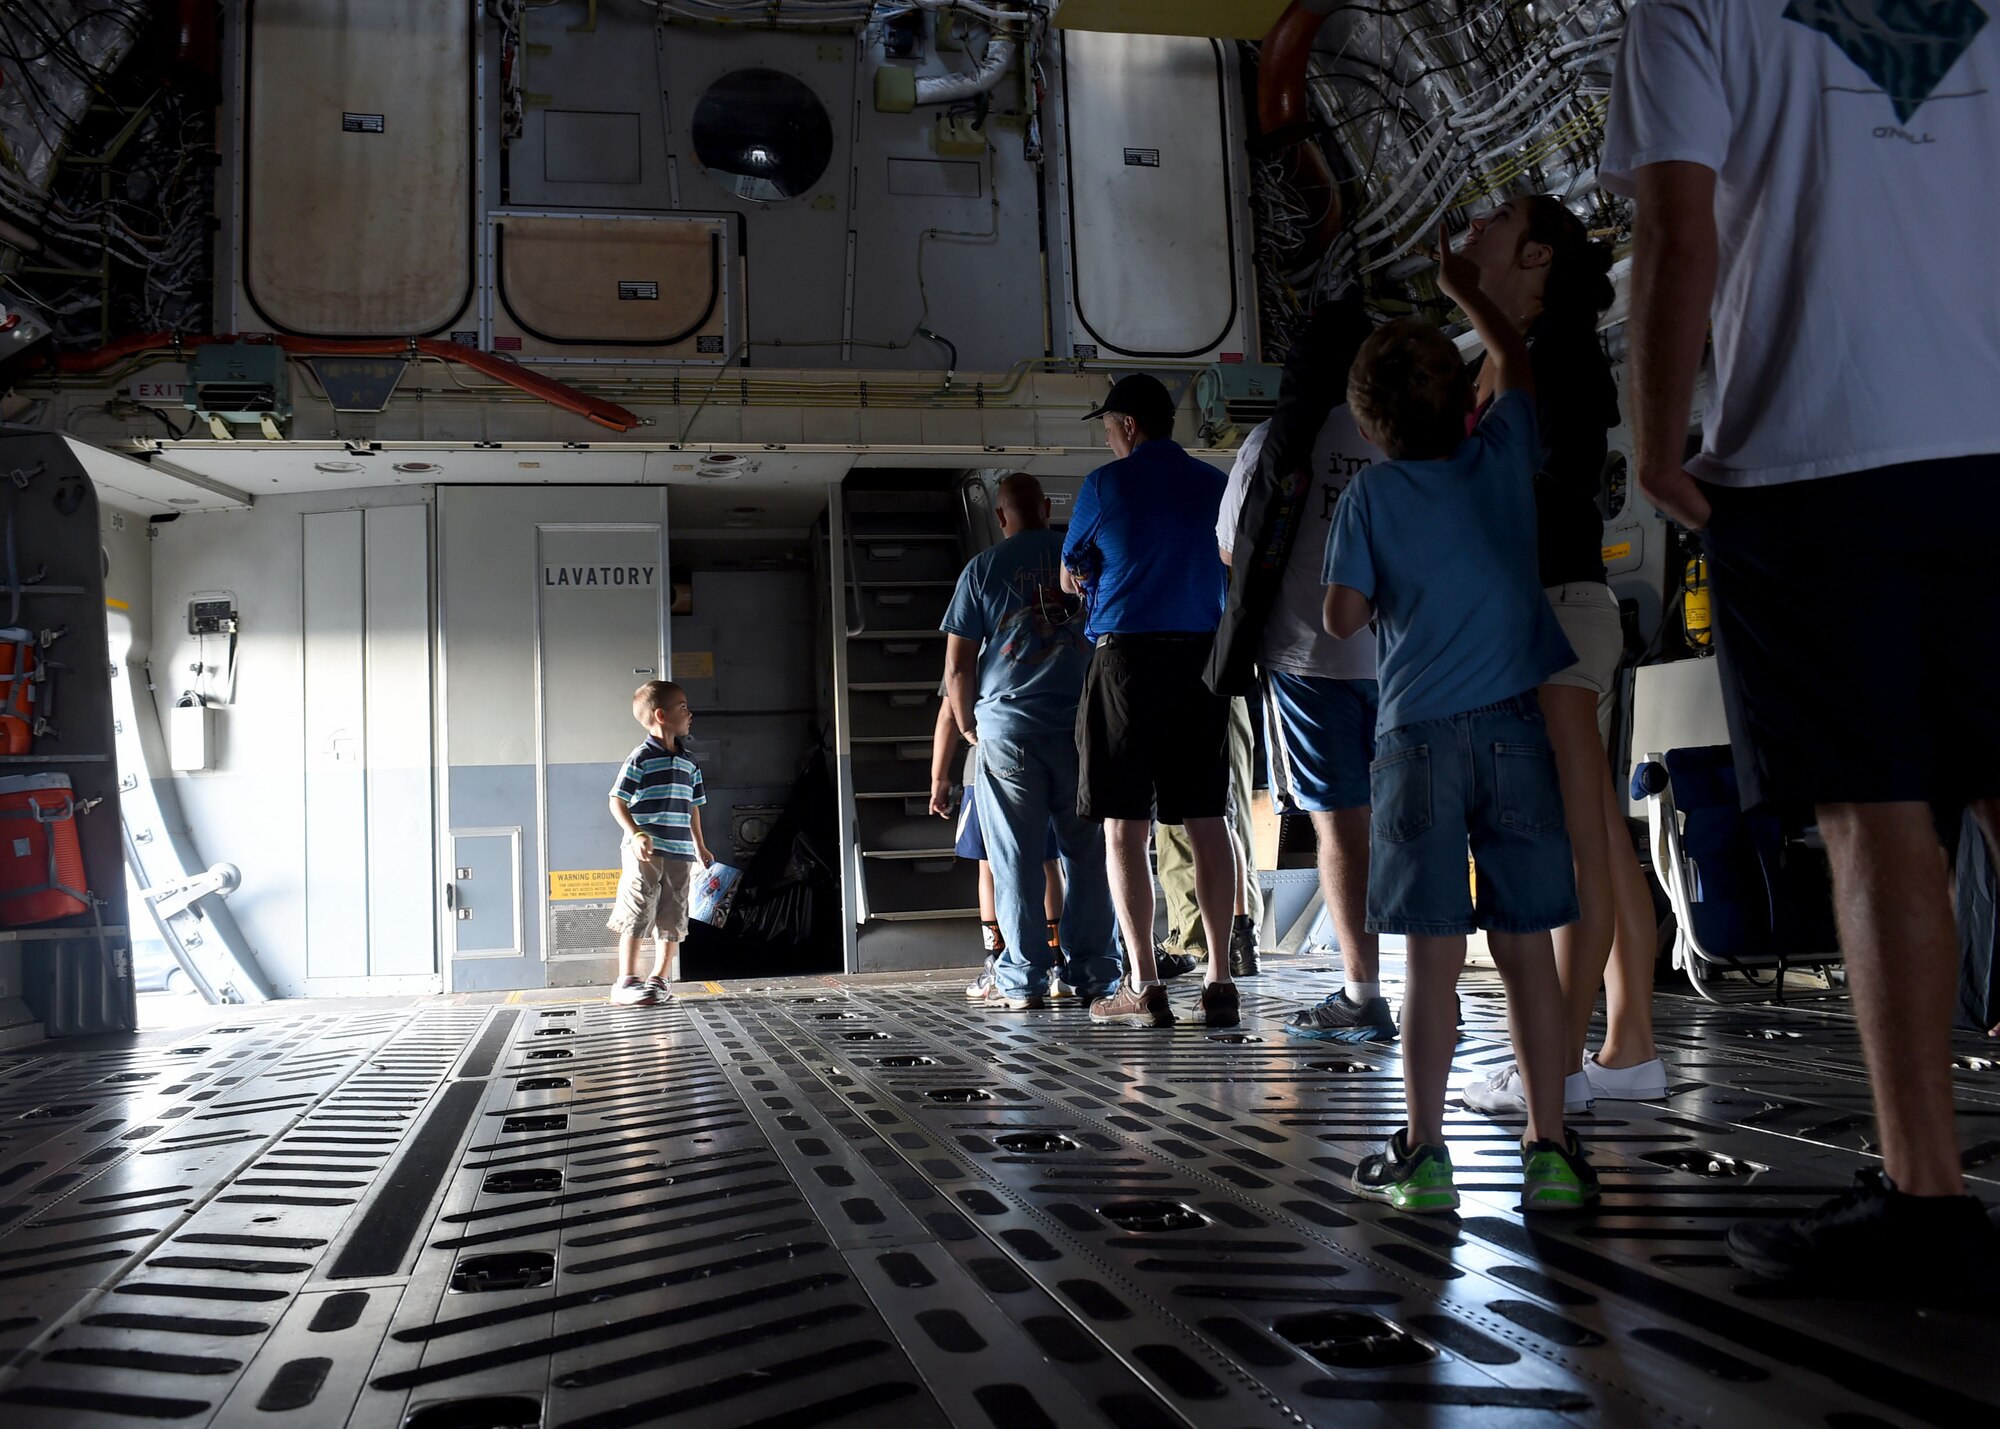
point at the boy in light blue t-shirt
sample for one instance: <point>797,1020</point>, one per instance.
<point>1437,547</point>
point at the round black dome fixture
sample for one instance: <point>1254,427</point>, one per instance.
<point>762,134</point>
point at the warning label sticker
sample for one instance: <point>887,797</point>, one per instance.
<point>568,884</point>
<point>1618,552</point>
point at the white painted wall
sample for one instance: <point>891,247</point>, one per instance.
<point>372,911</point>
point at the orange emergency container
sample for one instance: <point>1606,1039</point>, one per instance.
<point>41,860</point>
<point>17,690</point>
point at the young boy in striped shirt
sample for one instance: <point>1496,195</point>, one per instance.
<point>657,802</point>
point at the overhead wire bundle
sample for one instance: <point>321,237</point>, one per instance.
<point>1430,111</point>
<point>105,173</point>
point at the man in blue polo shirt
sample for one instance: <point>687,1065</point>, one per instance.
<point>1153,736</point>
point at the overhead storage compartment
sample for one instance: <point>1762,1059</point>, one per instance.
<point>603,287</point>
<point>357,201</point>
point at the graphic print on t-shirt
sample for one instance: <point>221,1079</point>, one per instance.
<point>1044,624</point>
<point>1906,49</point>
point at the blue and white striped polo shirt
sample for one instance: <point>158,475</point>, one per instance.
<point>662,788</point>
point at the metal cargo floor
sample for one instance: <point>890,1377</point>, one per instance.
<point>859,1203</point>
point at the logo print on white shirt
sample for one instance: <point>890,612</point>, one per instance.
<point>1905,48</point>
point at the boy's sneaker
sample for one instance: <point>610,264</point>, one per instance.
<point>1173,964</point>
<point>1877,1240</point>
<point>1220,1005</point>
<point>1418,1181</point>
<point>1501,1092</point>
<point>1000,1002</point>
<point>661,989</point>
<point>630,992</point>
<point>1131,1007</point>
<point>1058,989</point>
<point>976,989</point>
<point>1341,1019</point>
<point>1555,1177</point>
<point>1644,1083</point>
<point>1243,947</point>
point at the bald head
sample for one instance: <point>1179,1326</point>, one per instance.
<point>1021,504</point>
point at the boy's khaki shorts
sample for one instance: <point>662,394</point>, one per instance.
<point>652,895</point>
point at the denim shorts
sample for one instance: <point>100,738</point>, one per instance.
<point>1484,780</point>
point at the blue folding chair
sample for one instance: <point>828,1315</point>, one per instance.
<point>1752,898</point>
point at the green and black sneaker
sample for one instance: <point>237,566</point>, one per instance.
<point>1418,1181</point>
<point>1555,1177</point>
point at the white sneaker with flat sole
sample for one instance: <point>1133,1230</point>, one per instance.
<point>1642,1083</point>
<point>1502,1093</point>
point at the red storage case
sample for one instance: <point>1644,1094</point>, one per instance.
<point>41,862</point>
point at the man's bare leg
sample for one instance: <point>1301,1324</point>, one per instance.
<point>1901,952</point>
<point>1343,883</point>
<point>1126,847</point>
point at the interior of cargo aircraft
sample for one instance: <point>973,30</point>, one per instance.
<point>1168,714</point>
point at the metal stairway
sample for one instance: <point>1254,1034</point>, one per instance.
<point>899,551</point>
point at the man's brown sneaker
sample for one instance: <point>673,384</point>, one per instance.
<point>1219,1004</point>
<point>1132,1008</point>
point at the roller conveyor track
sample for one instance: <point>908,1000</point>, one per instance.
<point>839,1202</point>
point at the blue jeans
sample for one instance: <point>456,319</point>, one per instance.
<point>1023,785</point>
<point>1484,779</point>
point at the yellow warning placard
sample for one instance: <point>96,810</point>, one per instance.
<point>1618,552</point>
<point>576,883</point>
<point>694,664</point>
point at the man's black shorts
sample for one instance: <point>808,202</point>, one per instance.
<point>1154,739</point>
<point>1857,619</point>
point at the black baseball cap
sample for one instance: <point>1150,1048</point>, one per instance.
<point>1142,398</point>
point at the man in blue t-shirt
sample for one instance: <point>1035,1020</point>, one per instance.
<point>1154,737</point>
<point>1015,657</point>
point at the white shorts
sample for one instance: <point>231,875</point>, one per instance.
<point>1587,611</point>
<point>652,896</point>
<point>1588,614</point>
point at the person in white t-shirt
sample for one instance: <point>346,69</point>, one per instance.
<point>1319,723</point>
<point>1828,172</point>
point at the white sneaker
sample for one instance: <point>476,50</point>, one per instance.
<point>630,992</point>
<point>1501,1093</point>
<point>1644,1083</point>
<point>1057,987</point>
<point>976,989</point>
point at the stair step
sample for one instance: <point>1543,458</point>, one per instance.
<point>904,559</point>
<point>904,607</point>
<point>912,885</point>
<point>904,825</point>
<point>906,659</point>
